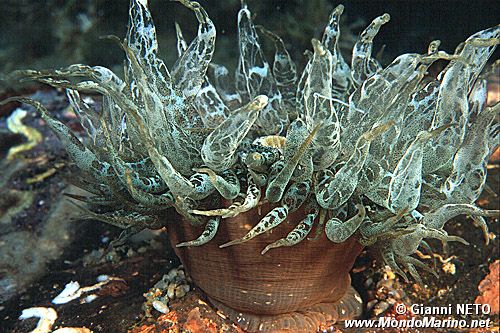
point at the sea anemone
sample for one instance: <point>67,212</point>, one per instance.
<point>364,155</point>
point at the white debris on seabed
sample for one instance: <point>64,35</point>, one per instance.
<point>160,306</point>
<point>102,278</point>
<point>173,285</point>
<point>90,298</point>
<point>48,317</point>
<point>73,330</point>
<point>70,292</point>
<point>73,290</point>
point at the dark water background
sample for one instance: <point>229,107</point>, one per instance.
<point>55,33</point>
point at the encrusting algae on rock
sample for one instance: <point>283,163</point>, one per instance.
<point>364,155</point>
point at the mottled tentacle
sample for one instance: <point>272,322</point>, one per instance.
<point>336,191</point>
<point>371,232</point>
<point>468,174</point>
<point>159,201</point>
<point>338,231</point>
<point>189,71</point>
<point>251,200</point>
<point>85,114</point>
<point>123,219</point>
<point>341,77</point>
<point>271,220</point>
<point>223,86</point>
<point>406,180</point>
<point>327,141</point>
<point>388,257</point>
<point>254,77</point>
<point>436,219</point>
<point>141,39</point>
<point>318,81</point>
<point>228,186</point>
<point>284,72</point>
<point>292,200</point>
<point>363,65</point>
<point>181,41</point>
<point>452,105</point>
<point>207,235</point>
<point>261,161</point>
<point>208,102</point>
<point>179,151</point>
<point>219,148</point>
<point>277,186</point>
<point>147,184</point>
<point>210,106</point>
<point>298,234</point>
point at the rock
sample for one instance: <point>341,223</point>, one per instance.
<point>195,323</point>
<point>489,288</point>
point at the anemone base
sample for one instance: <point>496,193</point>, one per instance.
<point>308,320</point>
